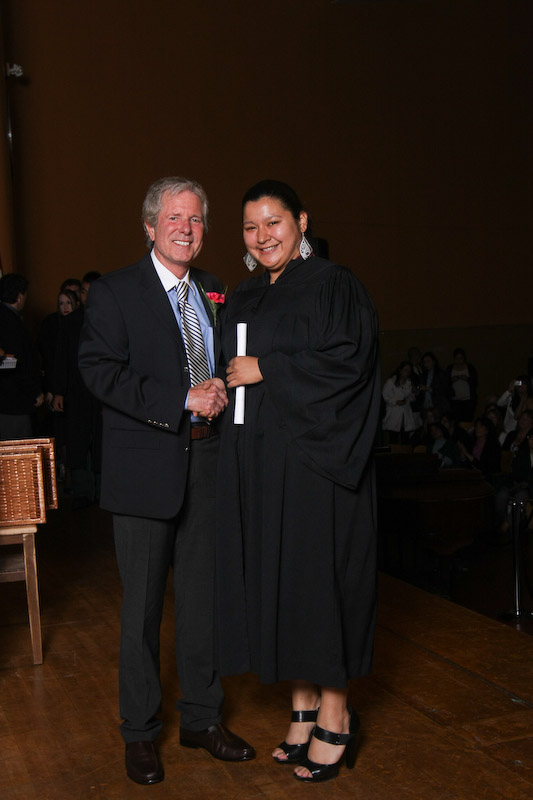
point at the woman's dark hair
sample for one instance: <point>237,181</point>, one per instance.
<point>72,296</point>
<point>444,432</point>
<point>71,282</point>
<point>488,424</point>
<point>432,355</point>
<point>494,409</point>
<point>91,276</point>
<point>396,373</point>
<point>459,352</point>
<point>280,191</point>
<point>11,285</point>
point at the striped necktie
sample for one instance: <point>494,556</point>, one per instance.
<point>192,337</point>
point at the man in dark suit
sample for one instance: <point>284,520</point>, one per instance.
<point>159,456</point>
<point>20,387</point>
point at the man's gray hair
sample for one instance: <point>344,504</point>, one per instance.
<point>174,185</point>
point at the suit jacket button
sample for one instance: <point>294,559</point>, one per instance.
<point>186,449</point>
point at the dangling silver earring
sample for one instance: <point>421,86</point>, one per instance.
<point>305,248</point>
<point>250,262</point>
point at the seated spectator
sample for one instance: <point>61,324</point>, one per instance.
<point>442,445</point>
<point>517,398</point>
<point>494,414</point>
<point>422,436</point>
<point>457,433</point>
<point>461,386</point>
<point>520,483</point>
<point>400,421</point>
<point>514,439</point>
<point>483,452</point>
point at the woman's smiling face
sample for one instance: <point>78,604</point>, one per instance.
<point>271,234</point>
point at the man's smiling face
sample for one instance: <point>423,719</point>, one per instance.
<point>179,232</point>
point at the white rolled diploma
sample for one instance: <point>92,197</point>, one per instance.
<point>238,414</point>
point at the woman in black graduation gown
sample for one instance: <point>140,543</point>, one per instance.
<point>297,540</point>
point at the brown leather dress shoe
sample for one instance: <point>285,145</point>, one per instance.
<point>220,742</point>
<point>142,763</point>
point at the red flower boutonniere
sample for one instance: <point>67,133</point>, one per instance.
<point>215,300</point>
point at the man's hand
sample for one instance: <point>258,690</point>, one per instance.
<point>208,399</point>
<point>57,402</point>
<point>243,370</point>
<point>39,400</point>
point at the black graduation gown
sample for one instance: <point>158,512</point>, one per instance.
<point>296,543</point>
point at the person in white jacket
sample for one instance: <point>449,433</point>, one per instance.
<point>400,420</point>
<point>516,399</point>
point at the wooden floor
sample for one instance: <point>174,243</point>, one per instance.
<point>446,715</point>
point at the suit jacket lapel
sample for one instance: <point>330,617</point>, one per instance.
<point>156,298</point>
<point>196,278</point>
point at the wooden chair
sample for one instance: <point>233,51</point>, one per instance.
<point>47,447</point>
<point>27,489</point>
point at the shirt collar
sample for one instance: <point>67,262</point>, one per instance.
<point>167,278</point>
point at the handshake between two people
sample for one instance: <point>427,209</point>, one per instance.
<point>209,398</point>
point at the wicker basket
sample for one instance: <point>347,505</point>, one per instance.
<point>46,446</point>
<point>22,496</point>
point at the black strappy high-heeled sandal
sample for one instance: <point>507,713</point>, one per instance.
<point>325,772</point>
<point>297,752</point>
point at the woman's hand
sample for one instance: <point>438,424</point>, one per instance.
<point>243,370</point>
<point>57,402</point>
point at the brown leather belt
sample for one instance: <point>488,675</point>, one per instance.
<point>201,430</point>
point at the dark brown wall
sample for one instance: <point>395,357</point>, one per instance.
<point>405,126</point>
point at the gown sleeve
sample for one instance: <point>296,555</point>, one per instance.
<point>326,398</point>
